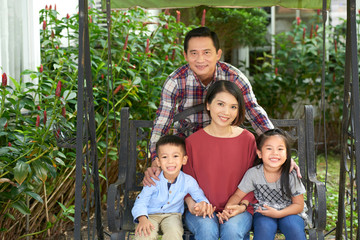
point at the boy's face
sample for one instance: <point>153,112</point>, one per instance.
<point>202,57</point>
<point>170,159</point>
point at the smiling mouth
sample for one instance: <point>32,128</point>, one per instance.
<point>171,168</point>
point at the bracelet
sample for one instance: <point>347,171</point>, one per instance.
<point>244,205</point>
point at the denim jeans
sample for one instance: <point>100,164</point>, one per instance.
<point>237,227</point>
<point>291,226</point>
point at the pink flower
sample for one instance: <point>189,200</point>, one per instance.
<point>166,26</point>
<point>37,124</point>
<point>102,76</point>
<point>4,80</point>
<point>44,25</point>
<point>56,47</point>
<point>166,58</point>
<point>318,12</point>
<point>167,12</point>
<point>67,16</point>
<point>177,16</point>
<point>276,71</point>
<point>45,117</point>
<point>9,144</point>
<point>38,107</point>
<point>41,69</point>
<point>90,19</point>
<point>55,7</point>
<point>126,41</point>
<point>298,21</point>
<point>203,18</point>
<point>58,89</point>
<point>147,45</point>
<point>46,7</point>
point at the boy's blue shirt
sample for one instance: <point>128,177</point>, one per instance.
<point>160,199</point>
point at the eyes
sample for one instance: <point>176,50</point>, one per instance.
<point>175,156</point>
<point>278,149</point>
<point>206,53</point>
<point>221,104</point>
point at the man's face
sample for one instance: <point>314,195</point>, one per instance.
<point>202,57</point>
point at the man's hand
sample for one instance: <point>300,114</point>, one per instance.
<point>293,166</point>
<point>144,226</point>
<point>229,212</point>
<point>152,172</point>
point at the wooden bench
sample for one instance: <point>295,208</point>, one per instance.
<point>134,145</point>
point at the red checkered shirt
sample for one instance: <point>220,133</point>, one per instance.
<point>182,90</point>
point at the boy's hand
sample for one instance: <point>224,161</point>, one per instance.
<point>144,226</point>
<point>152,172</point>
<point>268,212</point>
<point>203,209</point>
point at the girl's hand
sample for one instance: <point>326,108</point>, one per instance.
<point>203,209</point>
<point>144,226</point>
<point>229,212</point>
<point>269,212</point>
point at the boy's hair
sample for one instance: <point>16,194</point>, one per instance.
<point>173,140</point>
<point>233,89</point>
<point>285,168</point>
<point>201,32</point>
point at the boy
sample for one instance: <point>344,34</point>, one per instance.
<point>163,204</point>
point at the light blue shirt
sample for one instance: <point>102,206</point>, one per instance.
<point>160,199</point>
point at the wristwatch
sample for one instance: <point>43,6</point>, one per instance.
<point>241,203</point>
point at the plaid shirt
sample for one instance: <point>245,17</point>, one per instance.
<point>182,90</point>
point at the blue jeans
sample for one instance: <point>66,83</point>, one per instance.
<point>291,226</point>
<point>237,227</point>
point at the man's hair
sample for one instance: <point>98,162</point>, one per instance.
<point>201,32</point>
<point>173,140</point>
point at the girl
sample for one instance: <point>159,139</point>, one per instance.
<point>218,157</point>
<point>279,194</point>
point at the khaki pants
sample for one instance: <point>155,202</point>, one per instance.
<point>170,223</point>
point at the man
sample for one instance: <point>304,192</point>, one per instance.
<point>187,87</point>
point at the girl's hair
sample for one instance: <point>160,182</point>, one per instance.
<point>233,89</point>
<point>285,168</point>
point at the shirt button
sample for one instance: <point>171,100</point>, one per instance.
<point>168,202</point>
<point>169,191</point>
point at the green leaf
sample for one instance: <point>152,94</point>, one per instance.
<point>21,171</point>
<point>34,195</point>
<point>40,171</point>
<point>2,122</point>
<point>21,207</point>
<point>69,95</point>
<point>61,162</point>
<point>16,84</point>
<point>137,81</point>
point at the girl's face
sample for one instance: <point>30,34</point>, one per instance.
<point>224,109</point>
<point>273,152</point>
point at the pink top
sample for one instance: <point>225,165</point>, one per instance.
<point>219,164</point>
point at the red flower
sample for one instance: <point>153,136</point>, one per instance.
<point>4,80</point>
<point>50,7</point>
<point>203,18</point>
<point>120,87</point>
<point>316,29</point>
<point>44,25</point>
<point>67,16</point>
<point>38,107</point>
<point>52,34</point>
<point>147,45</point>
<point>9,144</point>
<point>45,117</point>
<point>166,58</point>
<point>126,41</point>
<point>37,121</point>
<point>46,7</point>
<point>58,89</point>
<point>90,19</point>
<point>359,11</point>
<point>318,12</point>
<point>298,21</point>
<point>166,26</point>
<point>128,21</point>
<point>167,12</point>
<point>63,111</point>
<point>177,16</point>
<point>276,71</point>
<point>102,76</point>
<point>173,55</point>
<point>55,7</point>
<point>41,69</point>
<point>304,33</point>
<point>6,125</point>
<point>56,47</point>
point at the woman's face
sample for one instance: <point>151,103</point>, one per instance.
<point>224,109</point>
